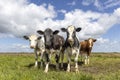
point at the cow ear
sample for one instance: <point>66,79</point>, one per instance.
<point>40,32</point>
<point>39,38</point>
<point>56,32</point>
<point>94,40</point>
<point>26,37</point>
<point>63,29</point>
<point>78,29</point>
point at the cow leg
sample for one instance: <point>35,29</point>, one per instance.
<point>47,62</point>
<point>36,58</point>
<point>86,59</point>
<point>62,57</point>
<point>57,57</point>
<point>81,56</point>
<point>88,56</point>
<point>41,58</point>
<point>69,59</point>
<point>76,61</point>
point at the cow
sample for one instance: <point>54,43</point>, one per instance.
<point>72,45</point>
<point>37,43</point>
<point>86,47</point>
<point>53,44</point>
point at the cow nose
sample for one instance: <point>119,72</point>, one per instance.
<point>32,47</point>
<point>70,41</point>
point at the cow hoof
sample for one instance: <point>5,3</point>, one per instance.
<point>57,69</point>
<point>77,71</point>
<point>68,70</point>
<point>45,71</point>
<point>35,66</point>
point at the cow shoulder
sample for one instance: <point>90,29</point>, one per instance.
<point>83,45</point>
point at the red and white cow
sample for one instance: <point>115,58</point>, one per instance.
<point>86,47</point>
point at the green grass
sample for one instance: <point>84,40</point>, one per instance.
<point>21,67</point>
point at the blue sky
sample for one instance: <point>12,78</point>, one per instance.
<point>98,19</point>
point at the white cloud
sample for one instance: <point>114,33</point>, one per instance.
<point>101,5</point>
<point>26,18</point>
<point>20,46</point>
<point>72,3</point>
<point>62,11</point>
<point>97,3</point>
<point>102,40</point>
<point>93,24</point>
<point>106,45</point>
<point>6,35</point>
<point>111,3</point>
<point>15,47</point>
<point>87,2</point>
<point>19,17</point>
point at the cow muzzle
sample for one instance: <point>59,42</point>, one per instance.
<point>32,47</point>
<point>70,41</point>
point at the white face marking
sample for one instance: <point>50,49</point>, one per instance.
<point>90,41</point>
<point>70,31</point>
<point>33,40</point>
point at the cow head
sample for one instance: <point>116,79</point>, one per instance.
<point>48,36</point>
<point>71,33</point>
<point>33,40</point>
<point>91,41</point>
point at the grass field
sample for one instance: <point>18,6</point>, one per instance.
<point>21,67</point>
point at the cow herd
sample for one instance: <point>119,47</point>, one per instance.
<point>52,43</point>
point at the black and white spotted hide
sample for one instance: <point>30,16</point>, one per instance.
<point>72,45</point>
<point>53,44</point>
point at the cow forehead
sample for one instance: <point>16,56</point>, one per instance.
<point>90,40</point>
<point>71,28</point>
<point>48,31</point>
<point>32,37</point>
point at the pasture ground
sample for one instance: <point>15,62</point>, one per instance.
<point>20,66</point>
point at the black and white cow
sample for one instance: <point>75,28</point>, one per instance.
<point>72,45</point>
<point>37,43</point>
<point>53,44</point>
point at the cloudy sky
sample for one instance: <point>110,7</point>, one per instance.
<point>98,19</point>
